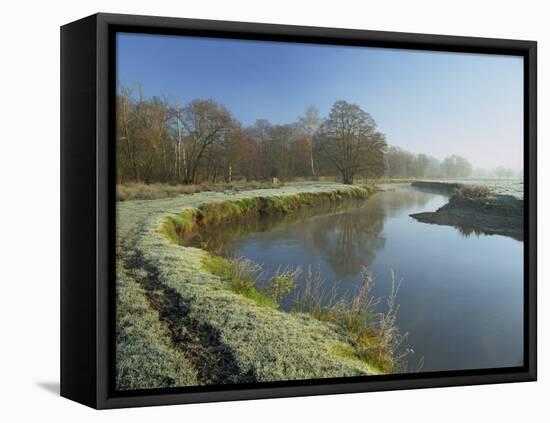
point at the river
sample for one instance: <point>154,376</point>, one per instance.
<point>460,296</point>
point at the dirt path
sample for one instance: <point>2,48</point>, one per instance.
<point>213,362</point>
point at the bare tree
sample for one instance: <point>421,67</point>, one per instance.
<point>349,140</point>
<point>261,136</point>
<point>124,125</point>
<point>159,116</point>
<point>206,124</point>
<point>309,124</point>
<point>162,141</point>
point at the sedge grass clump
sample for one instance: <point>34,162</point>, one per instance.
<point>374,336</point>
<point>474,191</point>
<point>283,283</point>
<point>382,346</point>
<point>218,266</point>
<point>357,315</point>
<point>240,275</point>
<point>313,298</point>
<point>244,274</point>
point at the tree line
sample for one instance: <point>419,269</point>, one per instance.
<point>201,141</point>
<point>403,164</point>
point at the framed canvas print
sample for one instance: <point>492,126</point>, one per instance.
<point>254,211</point>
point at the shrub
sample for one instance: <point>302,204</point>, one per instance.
<point>474,191</point>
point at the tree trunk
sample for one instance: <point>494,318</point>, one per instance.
<point>347,177</point>
<point>164,163</point>
<point>184,163</point>
<point>177,163</point>
<point>311,158</point>
<point>130,147</point>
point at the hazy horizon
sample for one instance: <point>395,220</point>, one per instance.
<point>435,103</point>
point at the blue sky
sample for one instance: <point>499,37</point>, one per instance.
<point>425,102</point>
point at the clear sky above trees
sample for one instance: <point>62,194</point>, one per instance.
<point>434,103</point>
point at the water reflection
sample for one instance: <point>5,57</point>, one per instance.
<point>348,236</point>
<point>353,241</point>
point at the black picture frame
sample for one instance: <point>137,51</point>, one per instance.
<point>88,201</point>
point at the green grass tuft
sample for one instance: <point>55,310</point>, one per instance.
<point>179,227</point>
<point>218,266</point>
<point>240,276</point>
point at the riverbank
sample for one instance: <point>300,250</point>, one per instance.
<point>179,325</point>
<point>484,212</point>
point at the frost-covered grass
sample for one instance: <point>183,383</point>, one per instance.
<point>154,191</point>
<point>260,343</point>
<point>512,187</point>
<point>145,355</point>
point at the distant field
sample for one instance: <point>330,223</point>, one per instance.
<point>141,191</point>
<point>498,186</point>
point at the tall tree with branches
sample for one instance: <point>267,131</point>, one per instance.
<point>206,124</point>
<point>348,139</point>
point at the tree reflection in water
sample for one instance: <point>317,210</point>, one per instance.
<point>339,239</point>
<point>350,240</point>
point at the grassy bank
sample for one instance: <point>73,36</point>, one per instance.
<point>187,222</point>
<point>218,332</point>
<point>369,335</point>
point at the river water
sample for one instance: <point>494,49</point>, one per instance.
<point>460,296</point>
